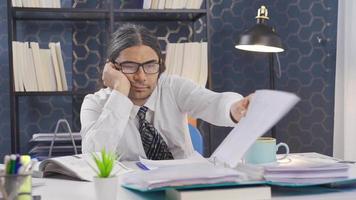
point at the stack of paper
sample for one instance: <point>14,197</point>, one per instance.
<point>181,175</point>
<point>300,169</point>
<point>62,146</point>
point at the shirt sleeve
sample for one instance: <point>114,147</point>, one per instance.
<point>202,103</point>
<point>103,124</point>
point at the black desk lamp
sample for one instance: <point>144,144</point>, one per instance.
<point>262,38</point>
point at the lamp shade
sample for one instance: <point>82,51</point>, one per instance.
<point>260,38</point>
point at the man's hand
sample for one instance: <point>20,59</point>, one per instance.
<point>239,108</point>
<point>115,79</point>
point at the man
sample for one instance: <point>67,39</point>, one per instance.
<point>143,112</point>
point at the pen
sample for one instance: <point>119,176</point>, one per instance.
<point>7,164</point>
<point>142,166</point>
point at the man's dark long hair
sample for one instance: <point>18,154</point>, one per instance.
<point>130,35</point>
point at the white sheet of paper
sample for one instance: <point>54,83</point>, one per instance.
<point>193,159</point>
<point>266,108</point>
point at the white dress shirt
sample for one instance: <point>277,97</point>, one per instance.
<point>108,118</point>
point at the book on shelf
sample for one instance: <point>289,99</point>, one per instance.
<point>37,69</point>
<point>228,193</point>
<point>36,3</point>
<point>78,167</point>
<point>61,66</point>
<point>172,4</point>
<point>56,66</point>
<point>266,108</point>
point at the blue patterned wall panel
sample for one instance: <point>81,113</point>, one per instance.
<point>40,114</point>
<point>308,67</point>
<point>5,138</point>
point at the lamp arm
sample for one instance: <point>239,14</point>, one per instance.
<point>279,69</point>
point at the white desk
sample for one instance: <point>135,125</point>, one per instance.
<point>57,189</point>
<point>60,189</point>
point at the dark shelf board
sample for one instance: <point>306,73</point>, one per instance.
<point>158,14</point>
<point>51,93</point>
<point>59,14</point>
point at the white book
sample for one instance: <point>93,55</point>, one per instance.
<point>46,3</point>
<point>161,4</point>
<point>36,3</point>
<point>194,4</point>
<point>41,71</point>
<point>203,76</point>
<point>19,3</point>
<point>56,4</point>
<point>181,4</point>
<point>191,62</point>
<point>16,64</point>
<point>80,167</point>
<point>24,66</point>
<point>178,59</point>
<point>30,69</point>
<point>154,4</point>
<point>51,84</point>
<point>57,71</point>
<point>175,4</point>
<point>246,193</point>
<point>189,4</point>
<point>198,4</point>
<point>168,4</point>
<point>13,3</point>
<point>45,67</point>
<point>61,66</point>
<point>27,3</point>
<point>147,4</point>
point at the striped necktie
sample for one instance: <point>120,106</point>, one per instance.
<point>154,145</point>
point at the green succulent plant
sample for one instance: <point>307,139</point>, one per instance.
<point>105,162</point>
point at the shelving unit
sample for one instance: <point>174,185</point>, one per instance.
<point>110,16</point>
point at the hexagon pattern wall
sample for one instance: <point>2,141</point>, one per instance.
<point>308,67</point>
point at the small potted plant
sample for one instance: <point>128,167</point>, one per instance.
<point>106,183</point>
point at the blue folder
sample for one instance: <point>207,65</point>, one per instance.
<point>337,183</point>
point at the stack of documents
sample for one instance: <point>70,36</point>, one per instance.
<point>62,146</point>
<point>301,169</point>
<point>181,175</point>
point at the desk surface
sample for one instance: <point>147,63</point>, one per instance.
<point>58,189</point>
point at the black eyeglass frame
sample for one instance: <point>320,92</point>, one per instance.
<point>119,67</point>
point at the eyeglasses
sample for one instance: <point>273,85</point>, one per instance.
<point>129,67</point>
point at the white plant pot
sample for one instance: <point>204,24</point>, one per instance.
<point>106,188</point>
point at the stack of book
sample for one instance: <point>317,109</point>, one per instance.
<point>37,69</point>
<point>62,145</point>
<point>189,60</point>
<point>36,3</point>
<point>172,4</point>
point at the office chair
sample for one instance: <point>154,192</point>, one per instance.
<point>197,139</point>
